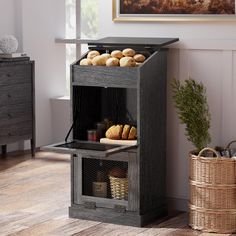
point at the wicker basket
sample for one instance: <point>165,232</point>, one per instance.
<point>119,188</point>
<point>212,206</point>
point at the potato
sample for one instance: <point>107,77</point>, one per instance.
<point>127,62</point>
<point>99,61</point>
<point>106,56</point>
<point>86,62</point>
<point>128,52</point>
<point>139,58</point>
<point>93,54</point>
<point>112,62</point>
<point>117,54</point>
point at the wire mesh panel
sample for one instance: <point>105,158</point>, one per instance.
<point>105,179</point>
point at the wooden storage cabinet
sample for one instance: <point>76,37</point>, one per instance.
<point>17,102</point>
<point>134,96</point>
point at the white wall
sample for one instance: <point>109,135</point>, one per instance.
<point>36,24</point>
<point>42,22</point>
<point>207,53</point>
<point>7,17</point>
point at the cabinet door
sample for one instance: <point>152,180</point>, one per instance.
<point>85,148</point>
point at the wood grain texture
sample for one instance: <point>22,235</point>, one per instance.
<point>103,76</point>
<point>17,119</point>
<point>14,95</point>
<point>152,127</point>
<point>13,74</point>
<point>35,194</point>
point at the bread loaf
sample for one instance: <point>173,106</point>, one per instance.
<point>128,52</point>
<point>117,172</point>
<point>125,133</point>
<point>118,132</point>
<point>139,58</point>
<point>132,133</point>
<point>127,62</point>
<point>86,62</point>
<point>117,54</point>
<point>112,62</point>
<point>99,61</point>
<point>93,54</point>
<point>114,132</point>
<point>106,56</point>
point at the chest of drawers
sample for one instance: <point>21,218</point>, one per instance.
<point>17,120</point>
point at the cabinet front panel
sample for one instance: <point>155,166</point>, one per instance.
<point>102,76</point>
<point>10,95</point>
<point>15,131</point>
<point>15,74</point>
<point>14,114</point>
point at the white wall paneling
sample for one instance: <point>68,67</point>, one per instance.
<point>217,70</point>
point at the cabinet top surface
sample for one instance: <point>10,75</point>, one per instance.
<point>14,61</point>
<point>125,41</point>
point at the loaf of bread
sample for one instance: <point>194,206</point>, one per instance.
<point>93,54</point>
<point>127,62</point>
<point>112,62</point>
<point>106,56</point>
<point>86,62</point>
<point>128,52</point>
<point>117,54</point>
<point>132,133</point>
<point>99,61</point>
<point>125,132</point>
<point>117,172</point>
<point>114,132</point>
<point>139,58</point>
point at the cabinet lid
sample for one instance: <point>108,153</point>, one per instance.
<point>154,43</point>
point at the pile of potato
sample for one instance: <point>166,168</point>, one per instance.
<point>125,58</point>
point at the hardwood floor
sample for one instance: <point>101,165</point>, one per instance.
<point>34,200</point>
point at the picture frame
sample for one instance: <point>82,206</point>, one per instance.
<point>119,16</point>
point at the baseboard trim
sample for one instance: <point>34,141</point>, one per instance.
<point>177,204</point>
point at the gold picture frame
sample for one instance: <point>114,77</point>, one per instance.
<point>117,17</point>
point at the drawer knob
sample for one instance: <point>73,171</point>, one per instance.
<point>9,134</point>
<point>8,75</point>
<point>9,115</point>
<point>9,95</point>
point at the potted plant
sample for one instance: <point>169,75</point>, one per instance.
<point>212,181</point>
<point>193,111</point>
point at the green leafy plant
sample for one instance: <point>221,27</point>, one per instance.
<point>193,111</point>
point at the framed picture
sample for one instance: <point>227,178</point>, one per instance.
<point>173,10</point>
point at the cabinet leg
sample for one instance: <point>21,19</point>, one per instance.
<point>32,143</point>
<point>4,150</point>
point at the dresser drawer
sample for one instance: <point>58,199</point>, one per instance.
<point>10,95</point>
<point>13,114</point>
<point>15,132</point>
<point>15,74</point>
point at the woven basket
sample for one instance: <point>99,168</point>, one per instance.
<point>119,188</point>
<point>212,181</point>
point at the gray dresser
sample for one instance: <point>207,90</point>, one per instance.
<point>17,116</point>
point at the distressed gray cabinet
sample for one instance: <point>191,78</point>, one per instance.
<point>17,102</point>
<point>128,95</point>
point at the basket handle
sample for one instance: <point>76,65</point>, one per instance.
<point>209,149</point>
<point>228,145</point>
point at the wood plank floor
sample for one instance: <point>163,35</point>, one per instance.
<point>34,200</point>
